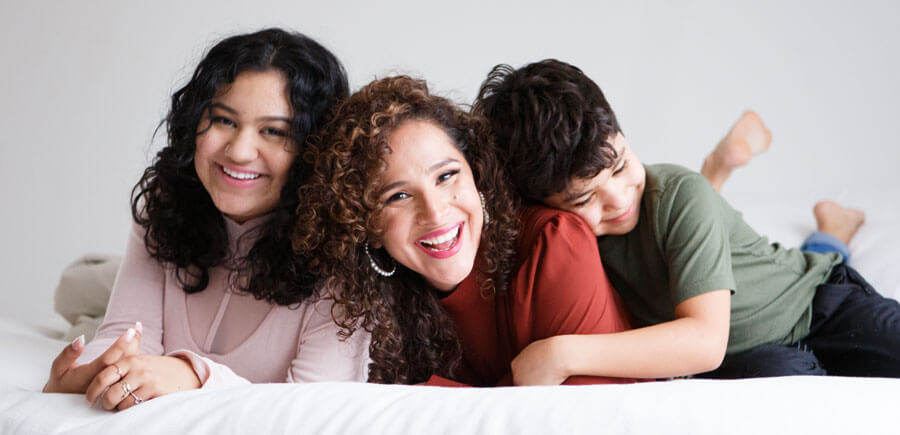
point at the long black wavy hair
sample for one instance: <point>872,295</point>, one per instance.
<point>183,227</point>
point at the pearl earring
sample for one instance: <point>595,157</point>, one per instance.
<point>487,217</point>
<point>375,266</point>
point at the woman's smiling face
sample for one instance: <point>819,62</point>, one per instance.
<point>432,217</point>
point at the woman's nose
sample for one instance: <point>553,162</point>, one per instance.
<point>432,208</point>
<point>241,147</point>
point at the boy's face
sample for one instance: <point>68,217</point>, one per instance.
<point>610,203</point>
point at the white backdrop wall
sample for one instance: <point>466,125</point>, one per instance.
<point>83,85</point>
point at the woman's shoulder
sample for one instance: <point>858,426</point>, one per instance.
<point>544,224</point>
<point>538,217</point>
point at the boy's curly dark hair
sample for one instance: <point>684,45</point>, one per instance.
<point>412,336</point>
<point>551,123</point>
<point>183,227</point>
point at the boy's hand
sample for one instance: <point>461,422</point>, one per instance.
<point>541,363</point>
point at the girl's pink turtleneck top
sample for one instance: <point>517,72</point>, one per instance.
<point>229,338</point>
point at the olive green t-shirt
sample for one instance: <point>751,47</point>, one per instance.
<point>689,241</point>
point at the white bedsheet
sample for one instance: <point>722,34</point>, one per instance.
<point>797,405</point>
<point>790,405</point>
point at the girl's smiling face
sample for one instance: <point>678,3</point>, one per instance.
<point>244,151</point>
<point>432,217</point>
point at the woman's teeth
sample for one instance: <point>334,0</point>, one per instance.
<point>240,175</point>
<point>442,242</point>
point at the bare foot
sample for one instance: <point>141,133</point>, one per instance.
<point>747,138</point>
<point>837,220</point>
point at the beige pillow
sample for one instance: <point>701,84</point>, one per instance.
<point>83,293</point>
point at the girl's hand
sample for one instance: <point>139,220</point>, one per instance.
<point>134,379</point>
<point>67,376</point>
<point>540,363</point>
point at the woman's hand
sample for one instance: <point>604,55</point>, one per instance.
<point>134,379</point>
<point>67,376</point>
<point>541,363</point>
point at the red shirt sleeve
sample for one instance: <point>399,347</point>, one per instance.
<point>437,381</point>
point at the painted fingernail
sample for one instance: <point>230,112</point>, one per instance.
<point>78,343</point>
<point>129,334</point>
<point>139,326</point>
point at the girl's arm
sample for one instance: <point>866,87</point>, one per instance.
<point>137,296</point>
<point>321,355</point>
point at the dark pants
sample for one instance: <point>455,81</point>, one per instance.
<point>854,332</point>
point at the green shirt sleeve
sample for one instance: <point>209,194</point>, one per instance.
<point>696,246</point>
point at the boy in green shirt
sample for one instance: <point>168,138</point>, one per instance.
<point>708,294</point>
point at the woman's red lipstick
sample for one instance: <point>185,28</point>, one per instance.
<point>447,252</point>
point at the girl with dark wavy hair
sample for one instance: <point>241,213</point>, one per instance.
<point>408,210</point>
<point>208,273</point>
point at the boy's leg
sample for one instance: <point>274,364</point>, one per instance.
<point>855,331</point>
<point>767,361</point>
<point>836,227</point>
<point>824,243</point>
<point>747,137</point>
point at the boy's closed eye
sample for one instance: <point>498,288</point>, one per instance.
<point>585,201</point>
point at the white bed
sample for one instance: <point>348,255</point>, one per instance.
<point>790,405</point>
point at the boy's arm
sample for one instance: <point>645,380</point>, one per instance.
<point>561,288</point>
<point>694,342</point>
<point>699,275</point>
<point>692,230</point>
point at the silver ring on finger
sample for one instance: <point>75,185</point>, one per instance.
<point>126,388</point>
<point>137,400</point>
<point>118,370</point>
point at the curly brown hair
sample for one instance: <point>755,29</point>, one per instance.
<point>412,336</point>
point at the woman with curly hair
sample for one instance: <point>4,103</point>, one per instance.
<point>208,292</point>
<point>408,210</point>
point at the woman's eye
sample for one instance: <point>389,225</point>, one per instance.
<point>271,131</point>
<point>447,175</point>
<point>621,168</point>
<point>222,120</point>
<point>396,197</point>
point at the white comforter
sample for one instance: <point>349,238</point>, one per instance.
<point>790,405</point>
